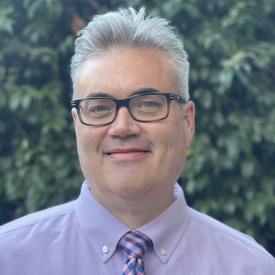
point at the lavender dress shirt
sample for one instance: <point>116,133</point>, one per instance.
<point>80,238</point>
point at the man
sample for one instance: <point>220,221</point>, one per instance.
<point>133,124</point>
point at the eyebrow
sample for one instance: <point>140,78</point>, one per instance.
<point>144,91</point>
<point>137,92</point>
<point>99,94</point>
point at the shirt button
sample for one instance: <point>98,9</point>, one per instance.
<point>163,252</point>
<point>105,249</point>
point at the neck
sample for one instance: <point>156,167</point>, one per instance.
<point>136,211</point>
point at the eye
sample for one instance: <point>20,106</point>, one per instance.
<point>149,104</point>
<point>98,109</point>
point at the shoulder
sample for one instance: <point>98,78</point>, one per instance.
<point>229,241</point>
<point>29,243</point>
<point>41,217</point>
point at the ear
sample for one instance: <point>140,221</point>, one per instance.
<point>189,117</point>
<point>74,115</point>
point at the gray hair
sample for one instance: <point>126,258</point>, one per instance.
<point>129,29</point>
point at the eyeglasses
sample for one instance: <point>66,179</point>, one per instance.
<point>96,111</point>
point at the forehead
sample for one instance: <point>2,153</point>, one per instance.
<point>120,72</point>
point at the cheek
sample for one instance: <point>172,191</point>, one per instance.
<point>170,142</point>
<point>175,142</point>
<point>89,140</point>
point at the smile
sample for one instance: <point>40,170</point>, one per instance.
<point>127,154</point>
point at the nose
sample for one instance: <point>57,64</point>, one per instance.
<point>124,125</point>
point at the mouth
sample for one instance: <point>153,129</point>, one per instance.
<point>127,154</point>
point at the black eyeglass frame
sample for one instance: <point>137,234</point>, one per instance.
<point>125,103</point>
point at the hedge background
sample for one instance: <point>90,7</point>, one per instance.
<point>230,171</point>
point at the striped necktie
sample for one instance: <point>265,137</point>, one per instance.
<point>134,245</point>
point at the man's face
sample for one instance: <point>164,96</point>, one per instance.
<point>127,158</point>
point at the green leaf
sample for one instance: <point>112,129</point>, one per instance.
<point>6,23</point>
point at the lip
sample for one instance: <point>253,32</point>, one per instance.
<point>127,153</point>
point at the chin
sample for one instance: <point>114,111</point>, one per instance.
<point>129,188</point>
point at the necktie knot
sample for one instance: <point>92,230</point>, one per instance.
<point>134,244</point>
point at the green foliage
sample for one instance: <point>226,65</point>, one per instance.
<point>229,172</point>
<point>39,163</point>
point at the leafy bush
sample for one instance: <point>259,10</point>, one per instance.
<point>230,171</point>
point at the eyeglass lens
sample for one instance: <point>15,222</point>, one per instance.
<point>145,107</point>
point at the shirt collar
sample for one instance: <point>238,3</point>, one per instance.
<point>165,230</point>
<point>100,227</point>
